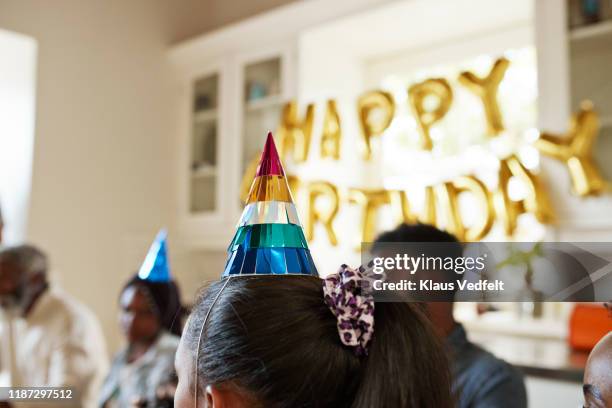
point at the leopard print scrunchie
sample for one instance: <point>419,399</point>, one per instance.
<point>345,295</point>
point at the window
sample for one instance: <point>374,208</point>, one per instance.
<point>17,108</point>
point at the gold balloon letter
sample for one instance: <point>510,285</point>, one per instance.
<point>369,200</point>
<point>332,134</point>
<point>483,224</point>
<point>536,201</point>
<point>316,190</point>
<point>294,183</point>
<point>506,210</point>
<point>401,208</point>
<point>248,176</point>
<point>371,106</point>
<point>575,150</point>
<point>486,89</point>
<point>294,133</point>
<point>446,195</point>
<point>430,215</point>
<point>425,118</point>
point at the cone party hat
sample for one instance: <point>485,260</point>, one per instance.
<point>269,239</point>
<point>155,267</point>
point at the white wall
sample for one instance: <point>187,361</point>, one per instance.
<point>543,393</point>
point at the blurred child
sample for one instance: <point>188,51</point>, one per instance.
<point>150,319</point>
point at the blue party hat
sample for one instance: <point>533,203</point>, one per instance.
<point>155,267</point>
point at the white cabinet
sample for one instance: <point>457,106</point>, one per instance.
<point>229,103</point>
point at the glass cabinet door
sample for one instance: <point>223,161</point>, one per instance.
<point>262,106</point>
<point>203,173</point>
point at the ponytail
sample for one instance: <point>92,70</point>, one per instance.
<point>406,364</point>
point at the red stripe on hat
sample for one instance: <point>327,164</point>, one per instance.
<point>270,163</point>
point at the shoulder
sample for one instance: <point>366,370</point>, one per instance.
<point>483,378</point>
<point>65,313</point>
<point>490,367</point>
<point>167,343</point>
<point>480,378</point>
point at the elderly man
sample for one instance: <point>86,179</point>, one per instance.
<point>47,338</point>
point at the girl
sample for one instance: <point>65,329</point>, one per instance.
<point>300,341</point>
<point>151,321</point>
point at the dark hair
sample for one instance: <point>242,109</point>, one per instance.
<point>416,233</point>
<point>424,233</point>
<point>275,339</point>
<point>166,302</point>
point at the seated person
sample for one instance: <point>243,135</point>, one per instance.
<point>597,382</point>
<point>150,318</point>
<point>479,378</point>
<point>300,341</point>
<point>47,338</point>
<point>1,227</point>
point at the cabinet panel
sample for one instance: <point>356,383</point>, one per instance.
<point>203,183</point>
<point>261,105</point>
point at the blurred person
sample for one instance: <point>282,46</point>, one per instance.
<point>1,227</point>
<point>287,341</point>
<point>150,319</point>
<point>479,378</point>
<point>47,337</point>
<point>597,383</point>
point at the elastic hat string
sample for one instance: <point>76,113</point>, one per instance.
<point>200,337</point>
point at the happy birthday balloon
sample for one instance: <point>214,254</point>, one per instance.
<point>331,137</point>
<point>294,134</point>
<point>376,110</point>
<point>316,193</point>
<point>575,149</point>
<point>426,118</point>
<point>486,89</point>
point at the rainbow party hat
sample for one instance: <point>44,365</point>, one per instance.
<point>155,267</point>
<point>269,239</point>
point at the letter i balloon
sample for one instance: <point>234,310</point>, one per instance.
<point>269,239</point>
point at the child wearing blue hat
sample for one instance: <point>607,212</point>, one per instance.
<point>150,318</point>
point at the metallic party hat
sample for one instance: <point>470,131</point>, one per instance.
<point>155,267</point>
<point>269,239</point>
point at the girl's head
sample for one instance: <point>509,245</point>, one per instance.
<point>271,341</point>
<point>147,308</point>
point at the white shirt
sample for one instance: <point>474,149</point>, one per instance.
<point>59,344</point>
